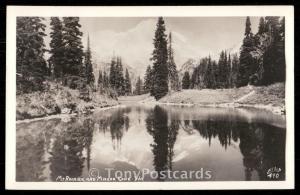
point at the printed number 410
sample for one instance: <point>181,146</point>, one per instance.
<point>273,175</point>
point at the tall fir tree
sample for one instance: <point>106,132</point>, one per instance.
<point>148,80</point>
<point>194,80</point>
<point>282,29</point>
<point>105,80</point>
<point>247,62</point>
<point>261,26</point>
<point>214,74</point>
<point>274,56</point>
<point>56,47</point>
<point>248,31</point>
<point>119,77</point>
<point>223,70</point>
<point>73,49</point>
<point>234,70</point>
<point>186,80</point>
<point>209,77</point>
<point>173,80</point>
<point>112,73</point>
<point>31,65</point>
<point>127,83</point>
<point>139,87</point>
<point>229,71</point>
<point>100,80</point>
<point>89,73</point>
<point>160,61</point>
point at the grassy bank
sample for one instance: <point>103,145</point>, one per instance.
<point>59,100</point>
<point>270,97</point>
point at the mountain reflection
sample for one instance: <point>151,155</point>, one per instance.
<point>256,140</point>
<point>48,149</point>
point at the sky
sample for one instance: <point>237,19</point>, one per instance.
<point>132,38</point>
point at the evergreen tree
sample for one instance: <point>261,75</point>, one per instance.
<point>139,86</point>
<point>89,73</point>
<point>234,70</point>
<point>148,80</point>
<point>121,83</point>
<point>31,65</point>
<point>73,49</point>
<point>209,77</point>
<point>248,31</point>
<point>262,25</point>
<point>127,83</point>
<point>160,58</point>
<point>194,80</point>
<point>112,74</point>
<point>226,70</point>
<point>199,75</point>
<point>282,28</point>
<point>105,80</point>
<point>56,47</point>
<point>100,80</point>
<point>119,77</point>
<point>228,67</point>
<point>214,74</point>
<point>247,62</point>
<point>186,80</point>
<point>274,56</point>
<point>172,71</point>
<point>223,72</point>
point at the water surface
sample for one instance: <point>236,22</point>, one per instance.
<point>233,144</point>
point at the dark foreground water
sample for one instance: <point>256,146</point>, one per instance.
<point>199,143</point>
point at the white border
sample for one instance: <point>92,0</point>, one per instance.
<point>154,11</point>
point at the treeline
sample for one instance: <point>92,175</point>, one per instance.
<point>68,63</point>
<point>262,56</point>
<point>163,75</point>
<point>30,63</point>
<point>261,60</point>
<point>212,74</point>
<point>117,80</point>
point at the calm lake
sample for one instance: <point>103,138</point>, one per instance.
<point>233,144</point>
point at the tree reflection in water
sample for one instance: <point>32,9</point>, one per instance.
<point>32,145</point>
<point>67,152</point>
<point>117,123</point>
<point>164,137</point>
<point>66,146</point>
<point>30,163</point>
<point>259,143</point>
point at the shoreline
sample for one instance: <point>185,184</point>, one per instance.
<point>270,98</point>
<point>277,110</point>
<point>55,116</point>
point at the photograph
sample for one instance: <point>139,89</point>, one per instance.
<point>186,97</point>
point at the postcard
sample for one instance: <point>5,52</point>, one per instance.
<point>170,97</point>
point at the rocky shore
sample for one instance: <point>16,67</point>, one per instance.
<point>60,100</point>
